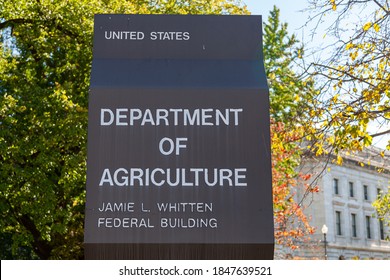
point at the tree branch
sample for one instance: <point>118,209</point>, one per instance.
<point>41,247</point>
<point>13,22</point>
<point>382,7</point>
<point>53,23</point>
<point>380,133</point>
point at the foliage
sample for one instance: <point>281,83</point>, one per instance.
<point>46,53</point>
<point>291,223</point>
<point>290,94</point>
<point>356,84</point>
<point>290,97</point>
<point>356,88</point>
<point>382,206</point>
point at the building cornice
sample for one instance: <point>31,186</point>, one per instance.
<point>381,249</point>
<point>368,159</point>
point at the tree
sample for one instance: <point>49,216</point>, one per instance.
<point>290,92</point>
<point>290,100</point>
<point>291,223</point>
<point>46,54</point>
<point>382,206</point>
<point>355,76</point>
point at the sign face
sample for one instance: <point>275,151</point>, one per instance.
<point>178,137</point>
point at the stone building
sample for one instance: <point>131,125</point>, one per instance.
<point>344,205</point>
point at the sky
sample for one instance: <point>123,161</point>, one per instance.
<point>290,11</point>
<point>293,13</point>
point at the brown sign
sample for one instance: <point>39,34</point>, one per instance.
<point>178,140</point>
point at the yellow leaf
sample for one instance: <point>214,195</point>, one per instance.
<point>320,151</point>
<point>353,55</point>
<point>367,26</point>
<point>376,27</point>
<point>348,46</point>
<point>339,160</point>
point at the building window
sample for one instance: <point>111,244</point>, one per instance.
<point>351,190</point>
<point>338,223</point>
<point>378,193</point>
<point>336,186</point>
<point>354,231</point>
<point>368,227</point>
<point>381,230</point>
<point>365,191</point>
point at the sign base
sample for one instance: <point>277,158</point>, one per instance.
<point>114,251</point>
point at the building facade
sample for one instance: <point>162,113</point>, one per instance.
<point>344,205</point>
